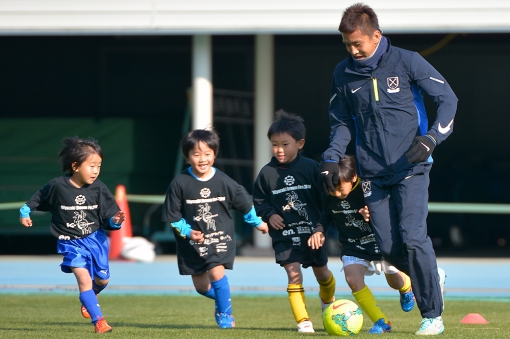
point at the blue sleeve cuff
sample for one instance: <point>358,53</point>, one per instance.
<point>182,227</point>
<point>114,225</point>
<point>252,219</point>
<point>24,212</point>
<point>330,160</point>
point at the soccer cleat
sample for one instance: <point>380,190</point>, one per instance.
<point>216,314</point>
<point>407,301</point>
<point>325,305</point>
<point>442,279</point>
<point>226,320</point>
<point>380,327</point>
<point>102,326</point>
<point>305,327</point>
<point>431,326</point>
<point>84,312</point>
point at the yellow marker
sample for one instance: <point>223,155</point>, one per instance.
<point>376,91</point>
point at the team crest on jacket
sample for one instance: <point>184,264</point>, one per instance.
<point>393,84</point>
<point>367,188</point>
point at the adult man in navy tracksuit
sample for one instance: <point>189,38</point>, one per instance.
<point>376,98</point>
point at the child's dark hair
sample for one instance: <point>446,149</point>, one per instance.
<point>76,151</point>
<point>208,137</point>
<point>347,167</point>
<point>289,123</point>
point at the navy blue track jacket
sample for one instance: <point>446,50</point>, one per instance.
<point>384,110</point>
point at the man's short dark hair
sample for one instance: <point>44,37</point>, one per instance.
<point>359,17</point>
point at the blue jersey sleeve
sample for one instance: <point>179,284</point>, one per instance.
<point>24,212</point>
<point>182,227</point>
<point>252,219</point>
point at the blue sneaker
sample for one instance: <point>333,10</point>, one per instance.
<point>431,326</point>
<point>226,320</point>
<point>407,301</point>
<point>380,327</point>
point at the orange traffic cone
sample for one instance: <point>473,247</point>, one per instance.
<point>117,237</point>
<point>474,318</point>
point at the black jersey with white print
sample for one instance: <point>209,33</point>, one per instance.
<point>75,212</point>
<point>206,206</point>
<point>293,192</point>
<point>354,233</point>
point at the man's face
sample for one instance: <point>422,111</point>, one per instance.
<point>360,45</point>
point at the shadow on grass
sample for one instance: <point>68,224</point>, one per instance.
<point>203,327</point>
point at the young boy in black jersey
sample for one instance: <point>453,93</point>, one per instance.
<point>346,209</point>
<point>197,205</point>
<point>287,196</point>
<point>81,206</point>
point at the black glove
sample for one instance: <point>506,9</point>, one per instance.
<point>329,175</point>
<point>421,149</point>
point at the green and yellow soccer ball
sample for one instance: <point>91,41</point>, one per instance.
<point>343,318</point>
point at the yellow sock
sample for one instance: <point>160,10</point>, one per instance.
<point>407,283</point>
<point>327,288</point>
<point>297,302</point>
<point>367,302</point>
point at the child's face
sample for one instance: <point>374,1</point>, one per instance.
<point>87,172</point>
<point>344,188</point>
<point>285,147</point>
<point>201,158</point>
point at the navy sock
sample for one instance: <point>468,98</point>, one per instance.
<point>222,292</point>
<point>89,300</point>
<point>98,288</point>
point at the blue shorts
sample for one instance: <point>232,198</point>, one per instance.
<point>90,253</point>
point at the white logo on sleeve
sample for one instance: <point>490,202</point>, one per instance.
<point>355,90</point>
<point>444,130</point>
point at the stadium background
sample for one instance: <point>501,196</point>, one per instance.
<point>129,90</point>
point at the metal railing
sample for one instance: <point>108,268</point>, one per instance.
<point>434,207</point>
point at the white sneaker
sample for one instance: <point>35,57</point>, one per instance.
<point>431,326</point>
<point>326,305</point>
<point>305,327</point>
<point>442,278</point>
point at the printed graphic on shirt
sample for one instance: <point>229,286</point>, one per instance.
<point>296,241</point>
<point>351,221</point>
<point>289,180</point>
<point>81,223</point>
<point>79,218</point>
<point>204,213</point>
<point>294,203</point>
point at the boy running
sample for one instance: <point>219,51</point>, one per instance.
<point>346,209</point>
<point>287,196</point>
<point>197,205</point>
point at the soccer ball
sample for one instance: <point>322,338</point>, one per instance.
<point>342,318</point>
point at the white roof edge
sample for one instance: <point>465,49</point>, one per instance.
<point>177,17</point>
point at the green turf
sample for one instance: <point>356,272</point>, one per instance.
<point>154,317</point>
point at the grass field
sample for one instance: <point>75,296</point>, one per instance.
<point>154,317</point>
